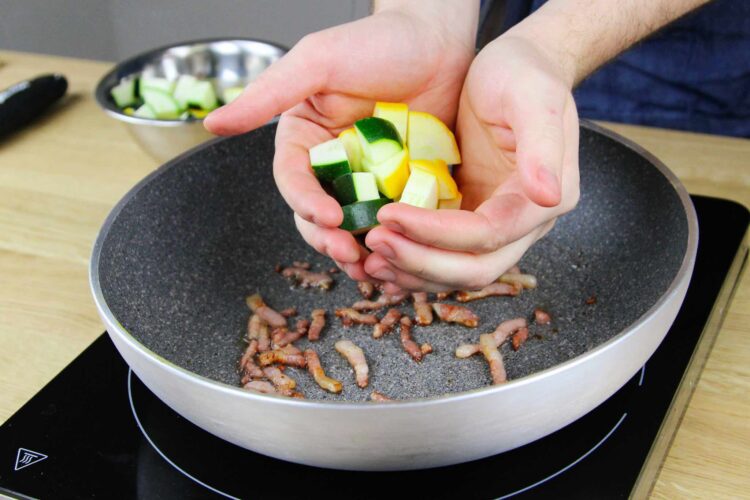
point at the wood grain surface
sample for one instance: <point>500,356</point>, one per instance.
<point>60,177</point>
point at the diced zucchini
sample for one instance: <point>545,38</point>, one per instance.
<point>130,111</point>
<point>163,104</point>
<point>145,111</point>
<point>183,89</point>
<point>198,114</point>
<point>124,93</point>
<point>395,112</point>
<point>379,139</point>
<point>390,175</point>
<point>362,216</point>
<point>329,161</point>
<point>430,139</point>
<point>447,188</point>
<point>203,95</point>
<point>452,204</point>
<point>357,186</point>
<point>153,83</point>
<point>421,190</point>
<point>353,148</point>
<point>232,93</point>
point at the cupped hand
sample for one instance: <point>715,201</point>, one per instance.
<point>329,80</point>
<point>518,133</point>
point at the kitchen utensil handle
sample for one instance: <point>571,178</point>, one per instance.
<point>21,103</point>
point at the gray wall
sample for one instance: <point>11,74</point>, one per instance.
<point>115,29</point>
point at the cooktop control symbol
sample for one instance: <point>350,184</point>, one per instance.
<point>28,457</point>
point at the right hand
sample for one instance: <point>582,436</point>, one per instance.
<point>332,78</point>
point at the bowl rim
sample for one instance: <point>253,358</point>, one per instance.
<point>672,292</point>
<point>101,91</point>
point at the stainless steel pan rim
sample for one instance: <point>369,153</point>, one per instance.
<point>680,278</point>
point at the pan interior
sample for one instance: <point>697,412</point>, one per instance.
<point>186,248</point>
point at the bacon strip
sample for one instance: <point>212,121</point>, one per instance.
<point>350,317</point>
<point>283,383</point>
<point>283,337</point>
<point>283,357</point>
<point>491,290</point>
<point>426,349</point>
<point>262,386</point>
<point>386,324</point>
<point>253,326</point>
<point>422,309</point>
<point>291,349</point>
<point>301,264</point>
<point>313,365</point>
<point>248,368</point>
<point>519,280</point>
<point>411,347</point>
<point>264,338</point>
<point>288,312</point>
<point>501,334</point>
<point>385,300</point>
<point>443,295</point>
<point>356,357</point>
<point>273,318</point>
<point>381,398</point>
<point>519,338</point>
<point>318,323</point>
<point>366,289</point>
<point>493,357</point>
<point>542,317</point>
<point>456,314</point>
<point>305,278</point>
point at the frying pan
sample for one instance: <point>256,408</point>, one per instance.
<point>177,256</point>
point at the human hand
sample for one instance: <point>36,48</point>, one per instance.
<point>413,53</point>
<point>518,133</point>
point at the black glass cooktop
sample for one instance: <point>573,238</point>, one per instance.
<point>95,431</point>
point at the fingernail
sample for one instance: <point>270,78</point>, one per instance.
<point>393,226</point>
<point>384,250</point>
<point>384,274</point>
<point>549,178</point>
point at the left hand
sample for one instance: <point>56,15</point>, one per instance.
<point>518,132</point>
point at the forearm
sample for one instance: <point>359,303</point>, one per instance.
<point>581,35</point>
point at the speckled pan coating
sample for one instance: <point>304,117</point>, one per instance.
<point>183,253</point>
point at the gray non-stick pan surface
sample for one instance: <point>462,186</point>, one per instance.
<point>208,228</point>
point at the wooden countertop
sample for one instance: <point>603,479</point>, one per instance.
<point>60,177</point>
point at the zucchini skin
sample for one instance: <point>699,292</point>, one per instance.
<point>362,216</point>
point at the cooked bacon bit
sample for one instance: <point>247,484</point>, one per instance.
<point>425,348</point>
<point>381,398</point>
<point>248,368</point>
<point>411,347</point>
<point>283,337</point>
<point>291,349</point>
<point>591,300</point>
<point>366,289</point>
<point>386,324</point>
<point>318,322</point>
<point>283,383</point>
<point>385,300</point>
<point>350,317</point>
<point>501,334</point>
<point>313,365</point>
<point>306,278</point>
<point>254,325</point>
<point>278,268</point>
<point>301,264</point>
<point>519,280</point>
<point>262,386</point>
<point>519,338</point>
<point>281,356</point>
<point>356,357</point>
<point>273,318</point>
<point>288,312</point>
<point>422,309</point>
<point>542,317</point>
<point>456,314</point>
<point>491,290</point>
<point>443,295</point>
<point>264,338</point>
<point>297,395</point>
<point>493,357</point>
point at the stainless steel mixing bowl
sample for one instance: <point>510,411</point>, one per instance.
<point>226,62</point>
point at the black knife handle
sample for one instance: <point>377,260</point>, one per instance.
<point>24,101</point>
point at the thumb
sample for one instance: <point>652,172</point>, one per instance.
<point>540,145</point>
<point>287,82</point>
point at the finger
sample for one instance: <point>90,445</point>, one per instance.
<point>291,169</point>
<point>502,219</point>
<point>376,265</point>
<point>433,265</point>
<point>296,76</point>
<point>540,142</point>
<point>338,244</point>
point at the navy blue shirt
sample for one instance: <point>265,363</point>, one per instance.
<point>692,75</point>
